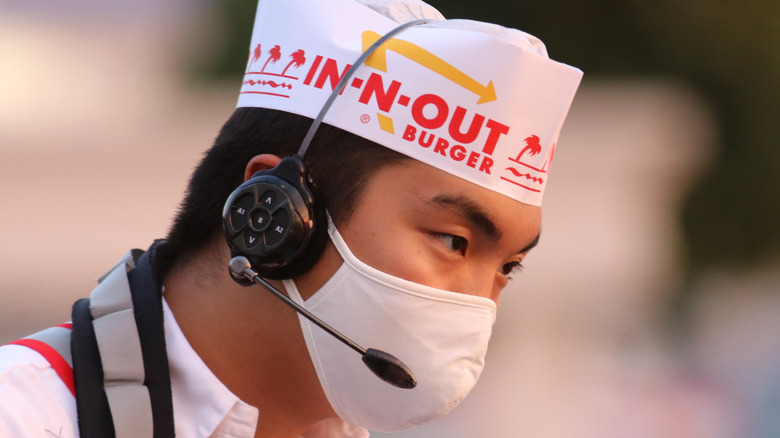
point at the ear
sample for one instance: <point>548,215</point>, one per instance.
<point>260,162</point>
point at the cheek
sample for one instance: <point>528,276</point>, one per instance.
<point>499,284</point>
<point>394,253</point>
<point>409,255</point>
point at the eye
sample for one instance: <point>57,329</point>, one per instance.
<point>511,268</point>
<point>453,243</point>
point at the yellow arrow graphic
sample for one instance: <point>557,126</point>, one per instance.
<point>378,60</point>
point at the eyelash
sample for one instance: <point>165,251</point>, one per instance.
<point>511,268</point>
<point>452,238</point>
<point>507,270</point>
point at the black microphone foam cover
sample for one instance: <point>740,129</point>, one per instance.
<point>388,368</point>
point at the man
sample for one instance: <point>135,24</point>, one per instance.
<point>427,179</point>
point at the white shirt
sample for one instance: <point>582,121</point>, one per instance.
<point>34,402</point>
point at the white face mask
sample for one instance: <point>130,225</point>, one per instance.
<point>441,336</point>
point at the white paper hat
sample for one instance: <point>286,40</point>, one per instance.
<point>480,101</point>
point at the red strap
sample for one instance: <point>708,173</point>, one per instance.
<point>57,362</point>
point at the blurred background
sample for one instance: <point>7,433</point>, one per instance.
<point>651,307</point>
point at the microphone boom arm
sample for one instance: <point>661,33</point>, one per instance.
<point>386,366</point>
<point>253,276</point>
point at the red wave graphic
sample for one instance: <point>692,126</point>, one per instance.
<point>519,174</point>
<point>273,84</point>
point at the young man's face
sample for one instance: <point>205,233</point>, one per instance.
<point>425,225</point>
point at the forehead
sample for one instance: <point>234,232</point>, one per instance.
<point>413,187</point>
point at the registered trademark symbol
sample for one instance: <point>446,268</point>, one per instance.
<point>365,118</point>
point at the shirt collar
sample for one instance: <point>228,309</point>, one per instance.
<point>203,406</point>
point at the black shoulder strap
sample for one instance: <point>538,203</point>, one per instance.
<point>94,409</point>
<point>91,402</point>
<point>146,286</point>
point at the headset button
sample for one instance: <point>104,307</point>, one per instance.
<point>278,229</point>
<point>239,212</point>
<point>259,219</point>
<point>251,239</point>
<point>268,199</point>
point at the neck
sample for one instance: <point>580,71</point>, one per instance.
<point>250,340</point>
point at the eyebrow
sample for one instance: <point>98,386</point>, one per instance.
<point>471,211</point>
<point>476,216</point>
<point>531,245</point>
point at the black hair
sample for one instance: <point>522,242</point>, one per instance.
<point>340,164</point>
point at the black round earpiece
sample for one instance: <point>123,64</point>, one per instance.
<point>272,219</point>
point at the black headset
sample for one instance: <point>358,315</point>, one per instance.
<point>273,219</point>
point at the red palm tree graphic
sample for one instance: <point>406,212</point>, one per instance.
<point>532,146</point>
<point>298,59</point>
<point>275,54</point>
<point>257,52</point>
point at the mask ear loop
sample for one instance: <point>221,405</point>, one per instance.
<point>345,79</point>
